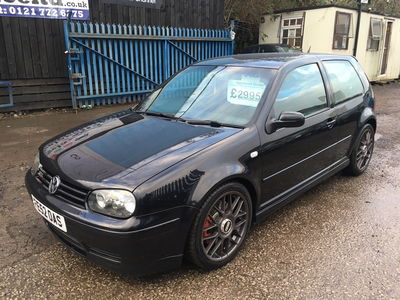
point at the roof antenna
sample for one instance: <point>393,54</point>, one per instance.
<point>309,49</point>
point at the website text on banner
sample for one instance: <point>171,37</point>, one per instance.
<point>49,9</point>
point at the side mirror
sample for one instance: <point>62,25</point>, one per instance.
<point>286,119</point>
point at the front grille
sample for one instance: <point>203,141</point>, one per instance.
<point>66,191</point>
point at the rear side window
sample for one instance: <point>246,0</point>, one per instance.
<point>344,80</point>
<point>302,90</point>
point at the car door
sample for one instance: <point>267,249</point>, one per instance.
<point>291,156</point>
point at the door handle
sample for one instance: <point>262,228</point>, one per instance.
<point>331,122</point>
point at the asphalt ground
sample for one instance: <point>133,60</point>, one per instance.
<point>340,240</point>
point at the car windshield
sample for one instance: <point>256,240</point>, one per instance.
<point>227,95</point>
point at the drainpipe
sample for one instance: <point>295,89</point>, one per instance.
<point>357,28</point>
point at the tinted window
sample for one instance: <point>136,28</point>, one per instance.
<point>302,90</point>
<point>344,80</point>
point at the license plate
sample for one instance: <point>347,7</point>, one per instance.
<point>51,216</point>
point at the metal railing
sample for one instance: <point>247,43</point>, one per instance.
<point>10,94</point>
<point>121,63</point>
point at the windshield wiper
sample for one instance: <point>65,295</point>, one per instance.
<point>189,121</point>
<point>211,123</point>
<point>157,114</point>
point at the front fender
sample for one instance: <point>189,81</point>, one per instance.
<point>189,181</point>
<point>222,174</point>
<point>190,186</point>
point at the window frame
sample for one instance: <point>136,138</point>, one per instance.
<point>324,82</point>
<point>335,33</point>
<point>372,38</point>
<point>294,27</point>
<point>333,100</point>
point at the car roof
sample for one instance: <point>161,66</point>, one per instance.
<point>267,60</point>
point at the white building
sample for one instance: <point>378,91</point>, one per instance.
<point>332,29</point>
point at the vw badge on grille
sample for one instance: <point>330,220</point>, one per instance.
<point>54,184</point>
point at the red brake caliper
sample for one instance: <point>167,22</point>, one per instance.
<point>207,223</point>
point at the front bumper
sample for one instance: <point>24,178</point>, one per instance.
<point>139,245</point>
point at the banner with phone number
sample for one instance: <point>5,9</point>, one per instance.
<point>47,9</point>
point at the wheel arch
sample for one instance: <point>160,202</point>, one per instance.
<point>252,191</point>
<point>246,182</point>
<point>368,117</point>
<point>373,123</point>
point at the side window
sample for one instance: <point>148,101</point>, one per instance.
<point>344,80</point>
<point>302,90</point>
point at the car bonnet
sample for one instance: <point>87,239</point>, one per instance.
<point>141,149</point>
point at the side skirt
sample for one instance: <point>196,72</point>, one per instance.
<point>284,198</point>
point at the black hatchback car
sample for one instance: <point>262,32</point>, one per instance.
<point>211,151</point>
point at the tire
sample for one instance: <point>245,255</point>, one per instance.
<point>362,152</point>
<point>219,231</point>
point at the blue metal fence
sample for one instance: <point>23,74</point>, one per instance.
<point>8,84</point>
<point>121,63</point>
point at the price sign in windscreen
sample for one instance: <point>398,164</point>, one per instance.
<point>55,9</point>
<point>247,91</point>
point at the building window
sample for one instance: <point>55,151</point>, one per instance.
<point>342,28</point>
<point>375,34</point>
<point>292,31</point>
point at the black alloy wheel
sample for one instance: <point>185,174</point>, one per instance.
<point>362,152</point>
<point>221,227</point>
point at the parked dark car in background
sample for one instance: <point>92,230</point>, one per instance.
<point>215,149</point>
<point>267,48</point>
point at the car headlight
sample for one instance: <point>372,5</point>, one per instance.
<point>114,203</point>
<point>36,165</point>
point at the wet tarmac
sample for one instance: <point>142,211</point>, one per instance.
<point>340,240</point>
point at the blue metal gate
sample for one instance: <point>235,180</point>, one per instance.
<point>121,63</point>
